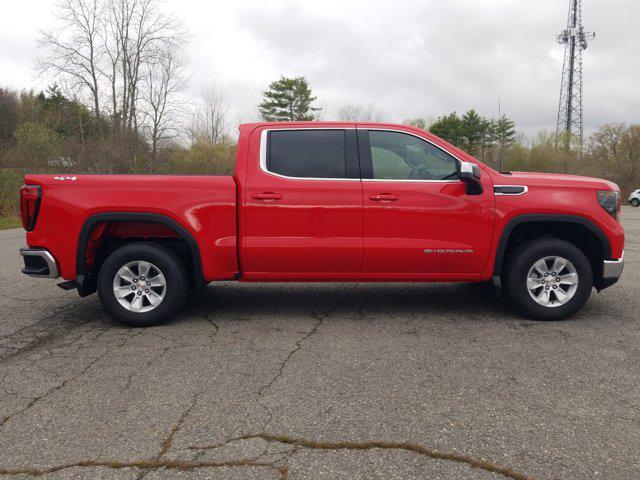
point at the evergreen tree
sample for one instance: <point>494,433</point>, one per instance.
<point>288,100</point>
<point>474,129</point>
<point>449,128</point>
<point>65,116</point>
<point>504,130</point>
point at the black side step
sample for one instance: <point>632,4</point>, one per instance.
<point>69,285</point>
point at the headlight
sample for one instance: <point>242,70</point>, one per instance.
<point>608,199</point>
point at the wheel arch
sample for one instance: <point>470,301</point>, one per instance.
<point>579,230</point>
<point>85,277</point>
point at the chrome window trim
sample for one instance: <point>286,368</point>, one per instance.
<point>408,180</point>
<point>263,153</point>
<point>524,187</point>
<point>263,156</point>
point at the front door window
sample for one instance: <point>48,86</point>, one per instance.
<point>399,156</point>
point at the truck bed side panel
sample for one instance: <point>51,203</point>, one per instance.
<point>204,205</point>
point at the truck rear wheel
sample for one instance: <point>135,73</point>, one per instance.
<point>548,279</point>
<point>142,284</point>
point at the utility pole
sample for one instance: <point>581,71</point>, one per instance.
<point>500,139</point>
<point>569,130</point>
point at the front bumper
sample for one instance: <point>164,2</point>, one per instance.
<point>39,262</point>
<point>611,271</point>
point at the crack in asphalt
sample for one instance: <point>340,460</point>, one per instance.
<point>167,443</point>
<point>209,317</point>
<point>40,342</point>
<point>621,400</point>
<point>303,443</point>
<point>139,371</point>
<point>153,464</point>
<point>160,462</point>
<point>297,347</point>
<point>42,332</point>
<point>35,400</point>
<point>320,318</point>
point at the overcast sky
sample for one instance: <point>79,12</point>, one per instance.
<point>407,57</point>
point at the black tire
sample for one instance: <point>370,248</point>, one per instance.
<point>169,264</point>
<point>635,202</point>
<point>521,260</point>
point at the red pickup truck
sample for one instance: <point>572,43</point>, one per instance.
<point>326,201</point>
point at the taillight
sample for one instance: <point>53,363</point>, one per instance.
<point>30,196</point>
<point>609,200</point>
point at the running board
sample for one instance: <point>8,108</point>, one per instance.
<point>69,285</point>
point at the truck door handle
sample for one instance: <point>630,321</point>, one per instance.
<point>384,197</point>
<point>266,196</point>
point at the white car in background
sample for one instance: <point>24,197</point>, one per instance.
<point>634,198</point>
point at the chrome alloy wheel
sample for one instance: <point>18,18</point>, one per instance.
<point>139,286</point>
<point>552,281</point>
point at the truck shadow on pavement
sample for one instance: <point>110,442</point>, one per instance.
<point>432,302</point>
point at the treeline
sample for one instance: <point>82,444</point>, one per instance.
<point>49,132</point>
<point>611,152</point>
<point>482,137</point>
<point>118,105</point>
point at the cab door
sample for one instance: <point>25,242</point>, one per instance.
<point>418,218</point>
<point>303,208</point>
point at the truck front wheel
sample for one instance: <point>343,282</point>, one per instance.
<point>548,279</point>
<point>142,284</point>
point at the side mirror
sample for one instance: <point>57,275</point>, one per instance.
<point>470,174</point>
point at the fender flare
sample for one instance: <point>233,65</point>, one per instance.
<point>86,280</point>
<point>538,218</point>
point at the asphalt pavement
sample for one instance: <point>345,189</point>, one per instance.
<point>307,381</point>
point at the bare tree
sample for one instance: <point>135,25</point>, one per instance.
<point>76,56</point>
<point>108,50</point>
<point>138,30</point>
<point>164,80</point>
<point>109,35</point>
<point>418,122</point>
<point>209,123</point>
<point>353,112</point>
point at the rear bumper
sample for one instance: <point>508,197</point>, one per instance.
<point>611,271</point>
<point>39,262</point>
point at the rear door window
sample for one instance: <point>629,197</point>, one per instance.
<point>307,153</point>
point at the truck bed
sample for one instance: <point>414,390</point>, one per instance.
<point>205,206</point>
